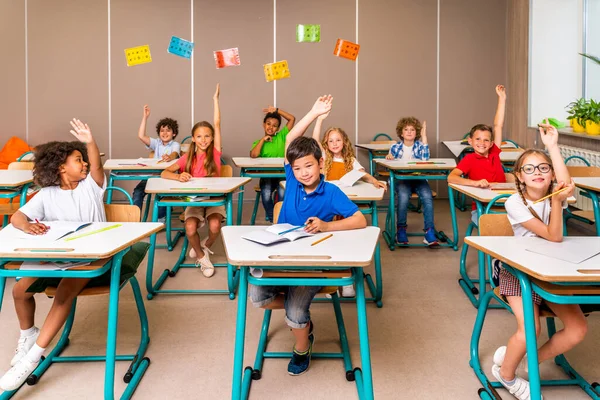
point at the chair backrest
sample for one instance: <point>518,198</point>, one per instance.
<point>378,135</point>
<point>226,171</point>
<point>510,178</point>
<point>276,211</point>
<point>579,171</point>
<point>22,165</point>
<point>580,159</point>
<point>122,213</point>
<point>495,225</point>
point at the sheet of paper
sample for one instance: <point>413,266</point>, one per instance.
<point>346,49</point>
<point>567,250</point>
<point>57,230</point>
<point>276,70</point>
<point>308,33</point>
<point>351,177</point>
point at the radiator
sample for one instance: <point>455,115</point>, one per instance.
<point>593,157</point>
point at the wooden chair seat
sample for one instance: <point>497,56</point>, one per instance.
<point>383,173</point>
<point>567,290</point>
<point>582,172</point>
<point>580,213</point>
<point>9,208</point>
<point>257,189</point>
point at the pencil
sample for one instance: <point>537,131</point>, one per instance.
<point>322,239</point>
<point>550,195</point>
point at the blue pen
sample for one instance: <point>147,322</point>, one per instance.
<point>291,230</point>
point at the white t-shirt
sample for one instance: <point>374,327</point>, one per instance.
<point>355,163</point>
<point>519,213</point>
<point>407,152</point>
<point>83,204</point>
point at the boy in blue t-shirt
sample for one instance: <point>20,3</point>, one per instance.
<point>312,201</point>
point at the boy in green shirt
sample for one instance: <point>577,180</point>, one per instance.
<point>272,145</point>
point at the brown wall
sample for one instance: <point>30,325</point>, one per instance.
<point>397,66</point>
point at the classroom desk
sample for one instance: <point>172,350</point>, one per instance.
<point>591,185</point>
<point>29,156</point>
<point>527,265</point>
<point>346,249</point>
<point>438,170</point>
<point>134,169</point>
<point>105,250</point>
<point>170,193</point>
<point>14,183</point>
<point>376,151</point>
<point>365,194</point>
<point>261,167</point>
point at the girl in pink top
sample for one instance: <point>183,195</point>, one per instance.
<point>203,159</point>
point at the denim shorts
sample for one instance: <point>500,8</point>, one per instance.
<point>297,301</point>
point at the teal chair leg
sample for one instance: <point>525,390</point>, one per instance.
<point>255,209</point>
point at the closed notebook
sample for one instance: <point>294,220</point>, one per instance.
<point>274,234</point>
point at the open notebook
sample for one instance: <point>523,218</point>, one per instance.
<point>58,230</point>
<point>276,233</point>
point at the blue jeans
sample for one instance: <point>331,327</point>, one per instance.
<point>404,189</point>
<point>268,186</point>
<point>138,199</point>
<point>296,304</point>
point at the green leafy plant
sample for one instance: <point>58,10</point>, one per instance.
<point>593,111</point>
<point>577,109</point>
<point>591,57</point>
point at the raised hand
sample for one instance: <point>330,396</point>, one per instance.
<point>146,111</point>
<point>323,116</point>
<point>549,134</point>
<point>322,105</point>
<point>424,129</point>
<point>269,109</point>
<point>81,131</point>
<point>501,91</point>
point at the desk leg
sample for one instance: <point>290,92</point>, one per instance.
<point>240,199</point>
<point>455,237</point>
<point>240,332</point>
<point>231,270</point>
<point>363,376</point>
<point>377,288</point>
<point>596,205</point>
<point>23,198</point>
<point>2,286</point>
<point>113,316</point>
<point>389,233</point>
<point>147,207</point>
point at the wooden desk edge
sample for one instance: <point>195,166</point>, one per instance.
<point>185,192</point>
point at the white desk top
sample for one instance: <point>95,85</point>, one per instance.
<point>446,164</point>
<point>343,249</point>
<point>130,164</point>
<point>15,178</point>
<point>510,156</point>
<point>99,245</point>
<point>486,195</point>
<point>512,250</point>
<point>259,162</point>
<point>195,185</point>
<point>30,157</point>
<point>592,184</point>
<point>360,191</point>
<point>375,146</point>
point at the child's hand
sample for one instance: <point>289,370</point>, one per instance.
<point>166,157</point>
<point>389,156</point>
<point>81,131</point>
<point>482,183</point>
<point>379,184</point>
<point>323,116</point>
<point>184,177</point>
<point>268,138</point>
<point>501,91</point>
<point>563,196</point>
<point>269,109</point>
<point>217,92</point>
<point>146,113</point>
<point>424,130</point>
<point>322,105</point>
<point>35,228</point>
<point>549,134</point>
<point>315,225</point>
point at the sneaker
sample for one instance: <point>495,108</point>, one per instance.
<point>496,265</point>
<point>23,346</point>
<point>207,268</point>
<point>499,359</point>
<point>204,247</point>
<point>401,236</point>
<point>430,238</point>
<point>301,361</point>
<point>162,220</point>
<point>348,291</point>
<point>17,375</point>
<point>519,389</point>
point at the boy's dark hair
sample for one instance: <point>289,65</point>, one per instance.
<point>409,121</point>
<point>170,123</point>
<point>50,156</point>
<point>274,115</point>
<point>482,127</point>
<point>302,147</point>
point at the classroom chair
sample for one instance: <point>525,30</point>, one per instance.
<point>10,208</point>
<point>262,353</point>
<point>499,225</point>
<point>139,363</point>
<point>585,216</point>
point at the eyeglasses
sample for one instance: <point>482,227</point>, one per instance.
<point>529,169</point>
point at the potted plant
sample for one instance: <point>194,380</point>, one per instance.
<point>592,123</point>
<point>576,110</point>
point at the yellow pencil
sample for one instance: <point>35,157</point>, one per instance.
<point>551,194</point>
<point>322,239</point>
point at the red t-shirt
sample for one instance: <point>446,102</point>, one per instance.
<point>477,167</point>
<point>198,170</point>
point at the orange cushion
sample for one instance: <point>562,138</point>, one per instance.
<point>12,150</point>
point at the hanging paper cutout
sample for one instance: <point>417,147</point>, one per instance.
<point>138,55</point>
<point>277,70</point>
<point>346,49</point>
<point>308,33</point>
<point>227,57</point>
<point>180,47</point>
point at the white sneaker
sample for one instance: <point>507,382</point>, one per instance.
<point>17,375</point>
<point>519,389</point>
<point>348,291</point>
<point>204,248</point>
<point>499,359</point>
<point>23,346</point>
<point>207,268</point>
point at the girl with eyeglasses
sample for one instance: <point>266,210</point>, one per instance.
<point>537,175</point>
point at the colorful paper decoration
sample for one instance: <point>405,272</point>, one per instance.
<point>138,55</point>
<point>180,47</point>
<point>308,33</point>
<point>227,57</point>
<point>346,49</point>
<point>276,70</point>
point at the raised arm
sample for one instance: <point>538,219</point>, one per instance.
<point>321,106</point>
<point>142,131</point>
<point>549,136</point>
<point>83,133</point>
<point>291,120</point>
<point>317,129</point>
<point>499,117</point>
<point>217,119</point>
